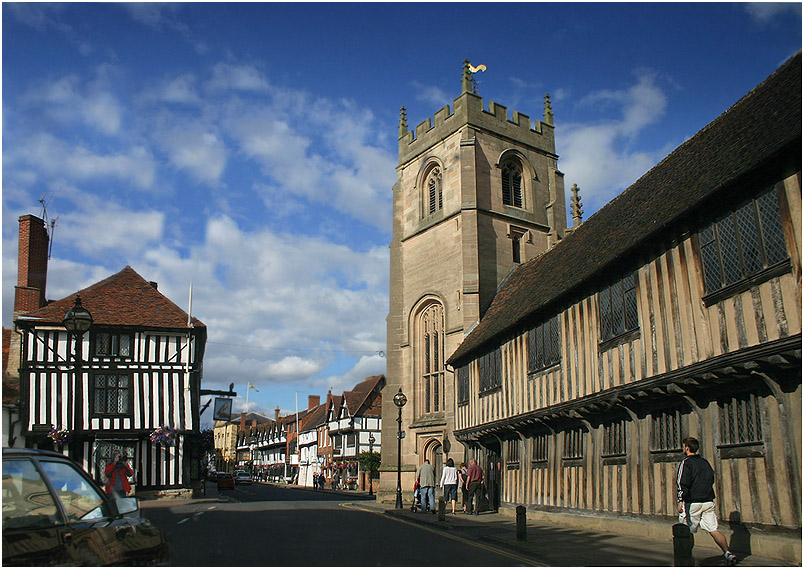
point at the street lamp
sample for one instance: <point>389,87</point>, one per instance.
<point>371,463</point>
<point>399,401</point>
<point>77,321</point>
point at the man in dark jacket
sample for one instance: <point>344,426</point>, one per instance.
<point>696,495</point>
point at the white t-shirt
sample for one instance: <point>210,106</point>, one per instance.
<point>449,476</point>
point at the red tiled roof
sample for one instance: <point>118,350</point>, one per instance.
<point>356,398</point>
<point>123,299</point>
<point>314,418</point>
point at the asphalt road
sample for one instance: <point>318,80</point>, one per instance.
<point>274,526</point>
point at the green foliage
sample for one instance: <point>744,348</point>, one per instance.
<point>369,461</point>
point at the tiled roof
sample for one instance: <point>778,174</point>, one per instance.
<point>356,398</point>
<point>317,416</point>
<point>761,127</point>
<point>123,299</point>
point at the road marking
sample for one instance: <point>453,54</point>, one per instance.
<point>490,548</point>
<point>182,521</point>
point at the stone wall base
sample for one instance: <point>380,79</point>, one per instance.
<point>762,543</point>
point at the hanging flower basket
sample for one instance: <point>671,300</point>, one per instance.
<point>60,436</point>
<point>164,436</point>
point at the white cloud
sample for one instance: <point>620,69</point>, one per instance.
<point>55,157</point>
<point>241,77</point>
<point>597,157</point>
<point>765,12</point>
<point>430,94</point>
<point>192,148</point>
<point>69,99</point>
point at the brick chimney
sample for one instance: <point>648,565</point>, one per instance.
<point>29,294</point>
<point>313,401</point>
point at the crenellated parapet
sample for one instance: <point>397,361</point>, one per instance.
<point>468,109</point>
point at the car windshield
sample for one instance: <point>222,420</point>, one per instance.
<point>27,503</point>
<point>81,501</point>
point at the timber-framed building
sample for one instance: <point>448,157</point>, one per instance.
<point>673,311</point>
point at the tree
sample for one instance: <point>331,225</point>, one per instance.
<point>369,462</point>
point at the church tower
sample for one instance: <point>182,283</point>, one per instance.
<point>477,193</point>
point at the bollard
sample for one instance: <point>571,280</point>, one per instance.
<point>442,509</point>
<point>682,546</point>
<point>521,524</point>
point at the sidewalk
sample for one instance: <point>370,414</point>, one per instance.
<point>545,545</point>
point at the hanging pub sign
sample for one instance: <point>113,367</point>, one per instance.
<point>222,410</point>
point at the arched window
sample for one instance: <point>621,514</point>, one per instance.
<point>435,198</point>
<point>512,183</point>
<point>431,360</point>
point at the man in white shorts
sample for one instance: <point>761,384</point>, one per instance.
<point>696,495</point>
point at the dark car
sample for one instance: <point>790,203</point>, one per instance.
<point>212,476</point>
<point>225,480</point>
<point>55,514</point>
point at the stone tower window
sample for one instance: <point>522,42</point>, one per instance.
<point>431,337</point>
<point>512,183</point>
<point>435,198</point>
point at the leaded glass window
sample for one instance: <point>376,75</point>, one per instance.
<point>431,325</point>
<point>489,367</point>
<point>544,344</point>
<point>740,420</point>
<point>741,243</point>
<point>573,444</point>
<point>540,447</point>
<point>107,344</point>
<point>614,438</point>
<point>666,431</point>
<point>618,308</point>
<point>463,384</point>
<point>112,394</point>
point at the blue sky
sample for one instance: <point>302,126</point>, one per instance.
<point>250,149</point>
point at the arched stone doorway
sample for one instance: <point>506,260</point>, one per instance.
<point>434,452</point>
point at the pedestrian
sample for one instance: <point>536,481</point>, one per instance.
<point>426,476</point>
<point>696,495</point>
<point>474,482</point>
<point>336,479</point>
<point>449,483</point>
<point>464,489</point>
<point>117,472</point>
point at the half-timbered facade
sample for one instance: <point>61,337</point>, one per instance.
<point>351,420</point>
<point>674,311</point>
<point>138,368</point>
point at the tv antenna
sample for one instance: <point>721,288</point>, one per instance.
<point>52,223</point>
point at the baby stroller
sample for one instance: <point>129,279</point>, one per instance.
<point>417,498</point>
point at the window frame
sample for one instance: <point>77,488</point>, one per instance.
<point>489,371</point>
<point>730,442</point>
<point>433,191</point>
<point>114,344</point>
<point>626,294</point>
<point>513,454</point>
<point>512,176</point>
<point>540,449</point>
<point>574,448</point>
<point>547,329</point>
<point>614,449</point>
<point>762,225</point>
<point>128,412</point>
<point>463,382</point>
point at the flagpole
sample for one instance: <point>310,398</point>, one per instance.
<point>298,451</point>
